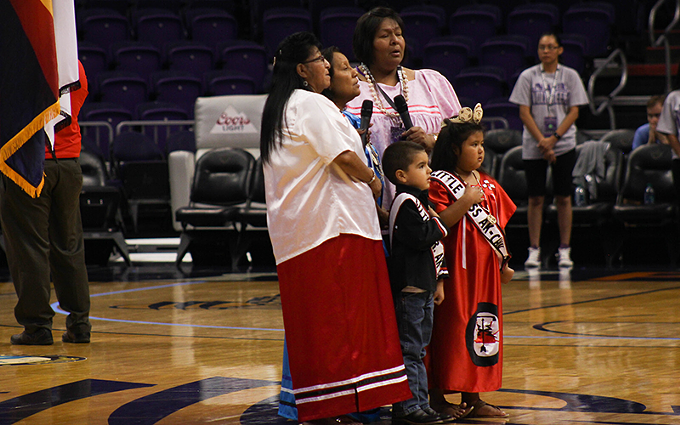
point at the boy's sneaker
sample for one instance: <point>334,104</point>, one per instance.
<point>416,417</point>
<point>534,258</point>
<point>564,257</point>
<point>444,418</point>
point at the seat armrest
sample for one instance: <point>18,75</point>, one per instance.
<point>181,165</point>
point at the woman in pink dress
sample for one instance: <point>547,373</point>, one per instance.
<point>380,46</point>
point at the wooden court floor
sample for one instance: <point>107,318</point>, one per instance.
<point>581,347</point>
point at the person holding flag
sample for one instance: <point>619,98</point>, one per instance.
<point>40,182</point>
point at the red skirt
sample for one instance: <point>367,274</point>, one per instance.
<point>341,330</point>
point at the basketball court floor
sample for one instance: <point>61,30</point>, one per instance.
<point>204,346</point>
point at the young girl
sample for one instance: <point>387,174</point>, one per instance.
<point>466,348</point>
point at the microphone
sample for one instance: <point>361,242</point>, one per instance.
<point>366,112</point>
<point>402,108</point>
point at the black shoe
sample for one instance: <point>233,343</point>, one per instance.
<point>442,416</point>
<point>418,417</point>
<point>75,337</point>
<point>42,336</point>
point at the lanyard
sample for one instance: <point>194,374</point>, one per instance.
<point>390,101</point>
<point>553,90</point>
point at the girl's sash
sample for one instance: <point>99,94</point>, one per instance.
<point>485,222</point>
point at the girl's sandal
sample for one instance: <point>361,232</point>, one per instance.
<point>477,411</point>
<point>455,410</point>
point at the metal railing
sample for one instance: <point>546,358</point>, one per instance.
<point>155,125</point>
<point>606,102</point>
<point>158,128</point>
<point>600,104</point>
<point>97,127</point>
<point>663,38</point>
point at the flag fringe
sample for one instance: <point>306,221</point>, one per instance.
<point>16,142</point>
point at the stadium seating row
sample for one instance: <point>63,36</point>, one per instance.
<point>614,211</point>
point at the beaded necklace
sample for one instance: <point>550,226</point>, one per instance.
<point>372,84</point>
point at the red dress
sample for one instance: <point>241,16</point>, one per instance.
<point>465,354</point>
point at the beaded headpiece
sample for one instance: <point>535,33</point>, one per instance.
<point>466,115</point>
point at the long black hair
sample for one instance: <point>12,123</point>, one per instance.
<point>328,53</point>
<point>365,30</point>
<point>293,50</point>
<point>449,144</point>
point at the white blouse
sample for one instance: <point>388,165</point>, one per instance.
<point>309,199</point>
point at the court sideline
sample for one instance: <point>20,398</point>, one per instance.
<point>582,346</point>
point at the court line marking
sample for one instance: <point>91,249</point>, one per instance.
<point>55,306</point>
<point>612,297</point>
<point>608,338</point>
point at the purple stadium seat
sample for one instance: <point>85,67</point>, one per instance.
<point>259,7</point>
<point>449,54</point>
<point>508,52</point>
<point>480,83</point>
<point>120,6</point>
<point>125,88</point>
<point>161,111</point>
<point>171,5</point>
<point>592,22</point>
<point>103,27</point>
<point>109,112</point>
<point>245,56</point>
<point>158,26</point>
<point>178,87</point>
<point>336,26</point>
<point>94,60</point>
<point>135,56</point>
<point>575,51</point>
<point>227,82</point>
<point>280,22</point>
<point>421,25</point>
<point>228,6</point>
<point>533,20</point>
<point>501,107</point>
<point>476,23</point>
<point>211,26</point>
<point>189,56</point>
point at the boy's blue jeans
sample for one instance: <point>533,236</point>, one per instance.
<point>415,313</point>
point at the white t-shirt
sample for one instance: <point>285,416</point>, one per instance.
<point>310,199</point>
<point>561,90</point>
<point>670,115</point>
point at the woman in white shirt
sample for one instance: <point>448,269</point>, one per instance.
<point>340,326</point>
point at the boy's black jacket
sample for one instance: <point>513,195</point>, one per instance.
<point>411,261</point>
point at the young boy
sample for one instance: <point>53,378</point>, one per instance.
<point>417,268</point>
